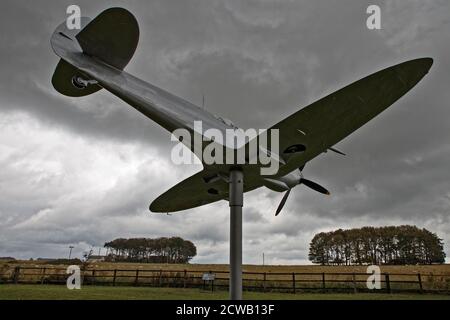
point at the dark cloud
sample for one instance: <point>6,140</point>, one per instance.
<point>83,171</point>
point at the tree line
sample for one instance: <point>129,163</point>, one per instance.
<point>159,250</point>
<point>382,245</point>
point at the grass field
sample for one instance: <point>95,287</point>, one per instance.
<point>60,292</point>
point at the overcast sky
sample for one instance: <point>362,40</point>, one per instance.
<point>82,171</point>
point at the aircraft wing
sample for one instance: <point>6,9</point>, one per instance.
<point>207,186</point>
<point>327,121</point>
<point>199,189</point>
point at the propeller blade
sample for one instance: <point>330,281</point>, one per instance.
<point>314,186</point>
<point>283,201</point>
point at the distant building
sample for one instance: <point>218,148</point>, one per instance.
<point>96,258</point>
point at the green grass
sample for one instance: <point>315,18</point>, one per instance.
<point>60,292</point>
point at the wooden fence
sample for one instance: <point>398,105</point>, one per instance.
<point>252,281</point>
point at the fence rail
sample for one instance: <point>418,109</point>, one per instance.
<point>256,281</point>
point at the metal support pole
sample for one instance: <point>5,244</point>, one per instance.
<point>236,200</point>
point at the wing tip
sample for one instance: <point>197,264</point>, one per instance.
<point>424,63</point>
<point>427,62</point>
<point>153,207</point>
<point>160,208</point>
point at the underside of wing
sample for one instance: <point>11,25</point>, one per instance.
<point>317,127</point>
<point>207,186</point>
<point>202,188</point>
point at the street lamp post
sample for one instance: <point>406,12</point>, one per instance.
<point>70,251</point>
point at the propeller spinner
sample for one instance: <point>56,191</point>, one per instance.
<point>310,184</point>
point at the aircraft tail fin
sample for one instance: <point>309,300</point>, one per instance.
<point>112,37</point>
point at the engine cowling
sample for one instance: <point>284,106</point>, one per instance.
<point>275,185</point>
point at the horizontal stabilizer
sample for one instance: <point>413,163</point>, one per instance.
<point>63,81</point>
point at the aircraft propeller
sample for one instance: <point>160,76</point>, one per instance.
<point>310,184</point>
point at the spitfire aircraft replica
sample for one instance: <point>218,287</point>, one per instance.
<point>94,57</point>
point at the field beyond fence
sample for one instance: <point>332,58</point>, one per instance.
<point>271,279</point>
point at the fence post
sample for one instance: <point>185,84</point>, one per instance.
<point>264,281</point>
<point>323,281</point>
<point>160,277</point>
<point>354,284</point>
<point>388,283</point>
<point>136,279</point>
<point>114,277</point>
<point>43,275</point>
<point>16,274</point>
<point>419,277</point>
<point>93,277</point>
<point>184,278</point>
<point>82,273</point>
<point>212,281</point>
<point>293,281</point>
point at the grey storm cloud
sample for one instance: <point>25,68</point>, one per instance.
<point>83,171</point>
